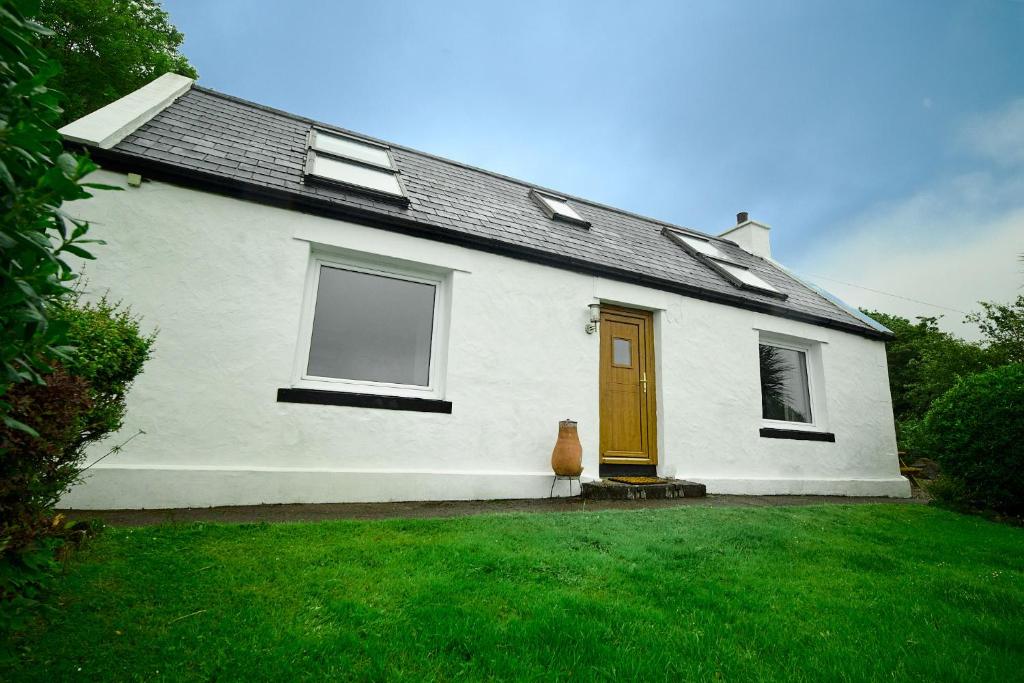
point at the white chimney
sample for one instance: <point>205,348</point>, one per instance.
<point>750,236</point>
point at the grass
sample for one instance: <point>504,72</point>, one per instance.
<point>838,593</point>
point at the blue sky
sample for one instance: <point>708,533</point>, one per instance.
<point>884,142</point>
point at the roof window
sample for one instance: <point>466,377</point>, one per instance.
<point>700,245</point>
<point>704,251</point>
<point>557,208</point>
<point>354,163</point>
<point>692,244</point>
<point>741,276</point>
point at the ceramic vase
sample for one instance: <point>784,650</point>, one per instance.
<point>567,457</point>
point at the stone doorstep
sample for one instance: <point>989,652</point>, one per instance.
<point>613,490</point>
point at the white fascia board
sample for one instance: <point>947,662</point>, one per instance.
<point>107,126</point>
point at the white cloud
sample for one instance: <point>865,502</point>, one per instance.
<point>998,135</point>
<point>984,267</point>
<point>950,245</point>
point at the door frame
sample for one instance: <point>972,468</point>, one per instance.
<point>648,365</point>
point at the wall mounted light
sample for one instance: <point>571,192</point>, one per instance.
<point>595,318</point>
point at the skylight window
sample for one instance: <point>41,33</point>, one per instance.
<point>703,246</point>
<point>693,244</point>
<point>353,174</point>
<point>743,276</point>
<point>557,208</point>
<point>707,253</point>
<point>354,163</point>
<point>351,148</point>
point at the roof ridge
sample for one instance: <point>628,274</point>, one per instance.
<point>460,164</point>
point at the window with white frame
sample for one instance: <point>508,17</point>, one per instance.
<point>558,208</point>
<point>741,276</point>
<point>701,245</point>
<point>786,394</point>
<point>371,329</point>
<point>355,163</point>
<point>702,249</point>
<point>792,379</point>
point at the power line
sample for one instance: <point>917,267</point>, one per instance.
<point>879,291</point>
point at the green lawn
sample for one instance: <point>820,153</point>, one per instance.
<point>824,593</point>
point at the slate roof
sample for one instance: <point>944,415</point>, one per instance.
<point>227,144</point>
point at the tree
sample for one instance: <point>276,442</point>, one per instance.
<point>37,176</point>
<point>924,363</point>
<point>108,48</point>
<point>1002,326</point>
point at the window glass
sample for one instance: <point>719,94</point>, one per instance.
<point>622,352</point>
<point>355,174</point>
<point>351,148</point>
<point>784,389</point>
<point>372,328</point>
<point>702,246</point>
<point>561,208</point>
<point>745,276</point>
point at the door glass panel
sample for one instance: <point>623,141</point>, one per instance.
<point>622,352</point>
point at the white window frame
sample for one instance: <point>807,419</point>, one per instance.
<point>441,280</point>
<point>815,382</point>
<point>691,240</point>
<point>718,264</point>
<point>313,151</point>
<point>548,204</point>
<point>314,144</point>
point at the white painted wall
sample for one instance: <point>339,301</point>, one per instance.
<point>223,279</point>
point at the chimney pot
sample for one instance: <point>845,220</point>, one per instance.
<point>742,217</point>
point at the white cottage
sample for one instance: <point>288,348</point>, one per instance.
<point>344,319</point>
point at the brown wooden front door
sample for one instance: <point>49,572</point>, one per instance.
<point>628,411</point>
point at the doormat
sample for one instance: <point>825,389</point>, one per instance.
<point>639,481</point>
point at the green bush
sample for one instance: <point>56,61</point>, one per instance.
<point>35,468</point>
<point>82,401</point>
<point>110,352</point>
<point>976,433</point>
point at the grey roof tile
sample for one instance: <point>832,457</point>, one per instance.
<point>214,133</point>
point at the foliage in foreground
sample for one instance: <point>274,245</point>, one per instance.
<point>109,48</point>
<point>976,433</point>
<point>37,177</point>
<point>43,406</point>
<point>824,593</point>
<point>82,402</point>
